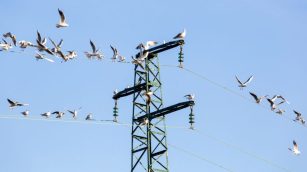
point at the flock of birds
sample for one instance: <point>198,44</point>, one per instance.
<point>274,103</point>
<point>41,46</point>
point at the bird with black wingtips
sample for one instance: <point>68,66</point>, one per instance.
<point>272,104</point>
<point>257,99</point>
<point>89,117</point>
<point>46,114</point>
<point>95,52</point>
<point>74,112</point>
<point>24,44</point>
<point>181,35</point>
<point>5,46</point>
<point>62,23</point>
<point>57,47</point>
<point>295,149</point>
<point>25,113</point>
<point>10,35</point>
<point>15,103</point>
<point>244,84</point>
<point>58,113</point>
<point>115,53</point>
<point>299,117</point>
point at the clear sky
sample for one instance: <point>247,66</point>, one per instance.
<point>264,38</point>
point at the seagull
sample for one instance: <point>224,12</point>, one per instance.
<point>145,121</point>
<point>39,56</point>
<point>272,104</point>
<point>15,103</point>
<point>39,38</point>
<point>280,111</point>
<point>242,85</point>
<point>62,22</point>
<point>181,35</point>
<point>150,44</point>
<point>148,95</point>
<point>95,52</point>
<point>24,44</point>
<point>257,99</point>
<point>59,114</point>
<point>5,46</point>
<point>10,35</point>
<point>25,113</point>
<point>137,62</point>
<point>115,92</point>
<point>115,53</point>
<point>89,117</point>
<point>74,113</point>
<point>42,47</point>
<point>47,114</point>
<point>295,148</point>
<point>71,54</point>
<point>299,117</point>
<point>121,58</point>
<point>190,97</point>
<point>57,47</point>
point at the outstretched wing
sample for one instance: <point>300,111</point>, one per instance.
<point>295,146</point>
<point>10,101</point>
<point>60,43</point>
<point>249,80</point>
<point>54,44</point>
<point>39,38</point>
<point>239,81</point>
<point>114,50</point>
<point>61,15</point>
<point>297,113</point>
<point>93,46</point>
<point>254,95</point>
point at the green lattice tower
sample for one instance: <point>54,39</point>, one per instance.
<point>149,147</point>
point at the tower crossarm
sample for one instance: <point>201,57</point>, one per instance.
<point>165,111</point>
<point>130,91</point>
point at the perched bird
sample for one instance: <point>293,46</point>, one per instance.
<point>25,113</point>
<point>57,47</point>
<point>95,52</point>
<point>272,104</point>
<point>145,121</point>
<point>74,113</point>
<point>62,22</point>
<point>115,53</point>
<point>190,97</point>
<point>257,99</point>
<point>241,84</point>
<point>46,114</point>
<point>295,148</point>
<point>115,91</point>
<point>89,117</point>
<point>10,35</point>
<point>181,35</point>
<point>137,62</point>
<point>15,103</point>
<point>24,44</point>
<point>150,44</point>
<point>299,117</point>
<point>59,114</point>
<point>148,95</point>
<point>39,56</point>
<point>5,46</point>
<point>280,111</point>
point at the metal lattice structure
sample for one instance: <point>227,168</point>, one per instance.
<point>149,144</point>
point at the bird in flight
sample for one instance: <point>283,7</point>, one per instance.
<point>24,44</point>
<point>299,117</point>
<point>115,53</point>
<point>295,148</point>
<point>59,114</point>
<point>15,103</point>
<point>57,47</point>
<point>39,56</point>
<point>241,84</point>
<point>46,114</point>
<point>25,113</point>
<point>181,35</point>
<point>272,104</point>
<point>89,117</point>
<point>62,23</point>
<point>257,99</point>
<point>5,46</point>
<point>10,35</point>
<point>74,113</point>
<point>95,52</point>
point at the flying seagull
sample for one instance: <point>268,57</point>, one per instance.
<point>5,46</point>
<point>257,99</point>
<point>74,113</point>
<point>272,104</point>
<point>57,47</point>
<point>241,84</point>
<point>295,148</point>
<point>115,53</point>
<point>15,103</point>
<point>25,113</point>
<point>59,114</point>
<point>24,44</point>
<point>89,117</point>
<point>299,117</point>
<point>10,35</point>
<point>46,114</point>
<point>42,47</point>
<point>121,58</point>
<point>95,52</point>
<point>39,56</point>
<point>181,35</point>
<point>62,22</point>
<point>190,97</point>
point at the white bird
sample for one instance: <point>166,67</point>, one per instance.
<point>115,53</point>
<point>39,56</point>
<point>145,121</point>
<point>24,44</point>
<point>25,113</point>
<point>299,117</point>
<point>137,62</point>
<point>10,35</point>
<point>74,113</point>
<point>95,52</point>
<point>59,114</point>
<point>46,114</point>
<point>257,99</point>
<point>272,104</point>
<point>121,58</point>
<point>62,22</point>
<point>89,117</point>
<point>15,103</point>
<point>295,148</point>
<point>5,46</point>
<point>150,44</point>
<point>190,97</point>
<point>148,95</point>
<point>57,47</point>
<point>115,91</point>
<point>71,55</point>
<point>42,47</point>
<point>181,35</point>
<point>241,84</point>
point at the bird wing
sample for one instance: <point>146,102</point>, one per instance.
<point>114,50</point>
<point>39,38</point>
<point>271,102</point>
<point>70,111</point>
<point>254,95</point>
<point>239,81</point>
<point>249,80</point>
<point>49,60</point>
<point>295,146</point>
<point>54,44</point>
<point>61,15</point>
<point>297,113</point>
<point>177,36</point>
<point>93,46</point>
<point>60,43</point>
<point>4,41</point>
<point>10,101</point>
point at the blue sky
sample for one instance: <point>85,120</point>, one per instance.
<point>264,38</point>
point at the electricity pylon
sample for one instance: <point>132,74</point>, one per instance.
<point>149,144</point>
